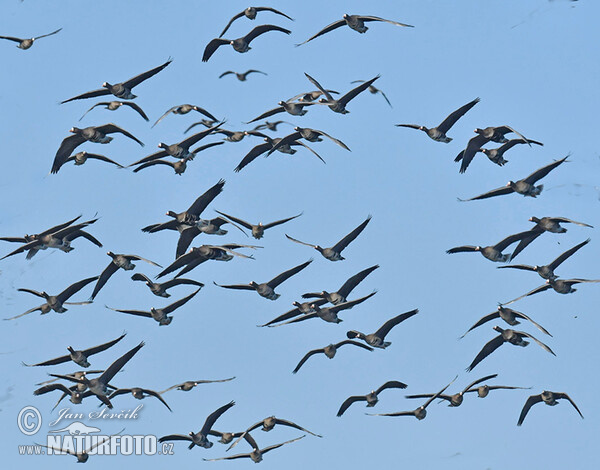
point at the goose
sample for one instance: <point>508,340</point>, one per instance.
<point>309,96</point>
<point>209,227</point>
<point>250,13</point>
<point>180,149</point>
<point>121,90</point>
<point>549,398</point>
<point>27,43</point>
<point>140,394</point>
<point>160,315</point>
<point>371,398</point>
<point>200,438</point>
<point>377,339</point>
<point>257,454</point>
<point>202,122</point>
<point>526,186</point>
<point>484,390</point>
<point>99,386</point>
<point>114,105</point>
<point>562,286</point>
<point>496,134</point>
<point>240,44</point>
<point>374,91</point>
<point>513,337</point>
<point>269,144</point>
<point>97,134</point>
<point>272,126</point>
<point>328,314</point>
<point>342,293</point>
<point>312,135</point>
<point>179,166</point>
<point>438,133</point>
<point>547,271</point>
<point>190,384</point>
<point>299,309</point>
<point>258,230</point>
<point>118,261</point>
<point>492,252</point>
<point>81,157</point>
<point>456,399</point>
<point>355,22</point>
<point>160,289</point>
<point>267,425</point>
<point>198,255</point>
<point>339,105</point>
<point>75,396</point>
<point>295,109</point>
<point>56,302</point>
<point>421,412</point>
<point>241,76</point>
<point>267,289</point>
<point>509,316</point>
<point>335,252</point>
<point>182,109</point>
<point>329,351</point>
<point>83,456</point>
<point>225,437</point>
<point>79,357</point>
<point>496,155</point>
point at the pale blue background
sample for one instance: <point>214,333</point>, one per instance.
<point>534,64</point>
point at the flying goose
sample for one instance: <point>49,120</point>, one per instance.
<point>335,252</point>
<point>120,90</point>
<point>493,252</point>
<point>81,157</point>
<point>84,455</point>
<point>140,394</point>
<point>190,384</point>
<point>267,425</point>
<point>341,294</point>
<point>355,22</point>
<point>241,76</point>
<point>546,224</point>
<point>484,390</point>
<point>160,289</point>
<point>456,399</point>
<point>226,437</point>
<point>328,314</point>
<point>509,316</point>
<point>513,337</point>
<point>439,133</point>
<point>258,230</point>
<point>272,126</point>
<point>240,44</point>
<point>184,109</point>
<point>114,105</point>
<point>496,155</point>
<point>547,271</point>
<point>200,438</point>
<point>377,339</point>
<point>267,289</point>
<point>202,122</point>
<point>371,398</point>
<point>198,255</point>
<point>374,91</point>
<point>299,309</point>
<point>56,302</point>
<point>75,396</point>
<point>27,43</point>
<point>339,105</point>
<point>250,13</point>
<point>159,314</point>
<point>209,227</point>
<point>29,238</point>
<point>295,109</point>
<point>329,351</point>
<point>421,412</point>
<point>97,134</point>
<point>526,186</point>
<point>179,149</point>
<point>257,454</point>
<point>549,398</point>
<point>562,286</point>
<point>178,166</point>
<point>312,135</point>
<point>118,261</point>
<point>79,357</point>
<point>99,386</point>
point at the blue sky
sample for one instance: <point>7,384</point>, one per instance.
<point>532,63</point>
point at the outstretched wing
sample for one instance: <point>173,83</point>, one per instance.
<point>388,325</point>
<point>326,29</point>
<point>273,283</point>
<point>344,242</point>
<point>377,18</point>
<point>179,303</point>
<point>113,128</point>
<point>264,29</point>
<point>566,255</point>
<point>102,347</point>
<point>539,174</point>
<point>488,349</point>
<point>349,401</point>
<point>74,288</point>
<point>65,150</point>
<point>454,116</point>
<point>239,15</point>
<point>305,358</point>
<point>211,47</point>
<point>116,366</point>
<point>493,193</point>
<point>532,400</point>
<point>144,76</point>
<point>355,280</point>
<point>355,91</point>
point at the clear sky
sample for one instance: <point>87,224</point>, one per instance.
<point>533,64</point>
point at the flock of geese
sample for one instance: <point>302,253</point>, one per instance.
<point>326,306</point>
